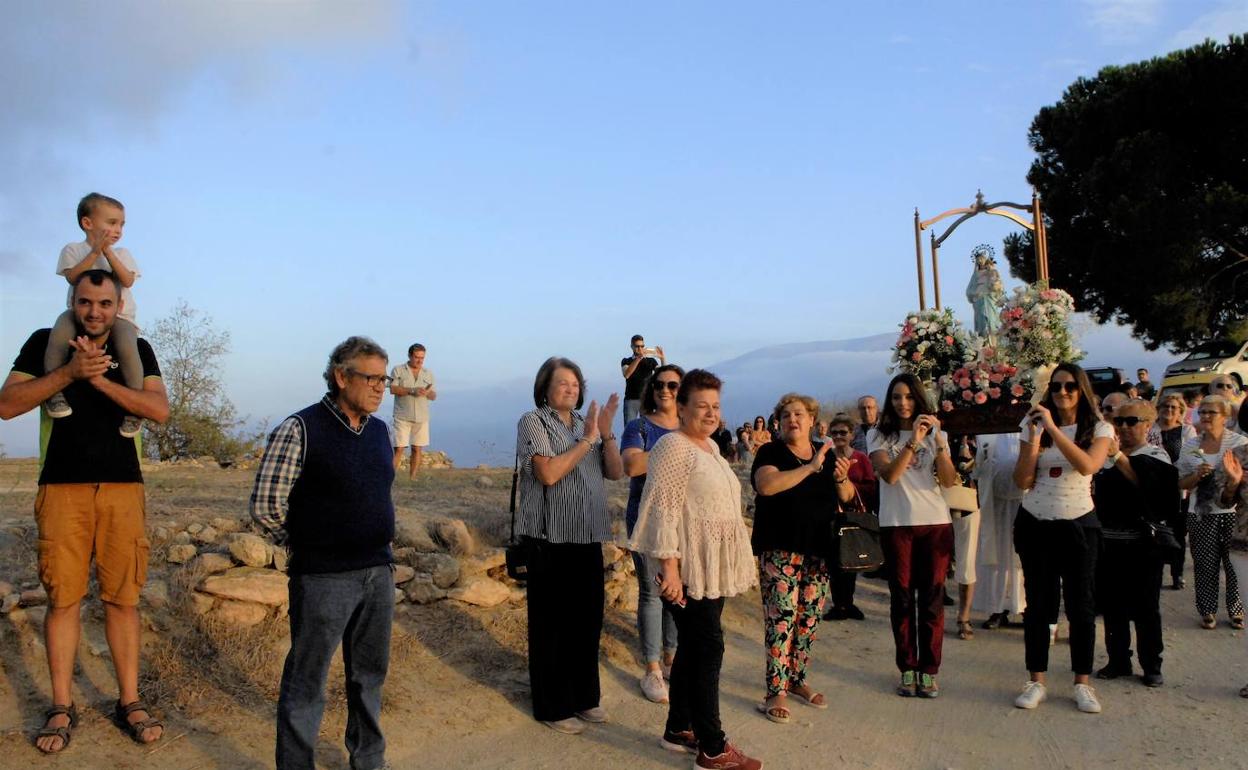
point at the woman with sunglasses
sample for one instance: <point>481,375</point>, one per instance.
<point>760,434</point>
<point>655,628</point>
<point>1227,387</point>
<point>1211,518</point>
<point>1057,533</point>
<point>910,455</point>
<point>1139,489</point>
<point>1171,432</point>
<point>862,476</point>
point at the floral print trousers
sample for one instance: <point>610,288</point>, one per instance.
<point>794,589</point>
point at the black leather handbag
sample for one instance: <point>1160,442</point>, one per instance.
<point>1162,540</point>
<point>856,539</point>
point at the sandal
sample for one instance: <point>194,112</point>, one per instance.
<point>965,631</point>
<point>1237,622</point>
<point>811,698</point>
<point>1243,691</point>
<point>778,714</point>
<point>121,718</point>
<point>64,732</point>
<point>1208,621</point>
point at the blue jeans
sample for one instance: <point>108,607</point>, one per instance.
<point>353,609</point>
<point>655,625</point>
<point>632,410</point>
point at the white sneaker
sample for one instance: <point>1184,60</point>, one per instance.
<point>653,687</point>
<point>1032,695</point>
<point>1085,699</point>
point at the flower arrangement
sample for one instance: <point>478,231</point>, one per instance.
<point>989,378</point>
<point>931,343</point>
<point>1035,327</point>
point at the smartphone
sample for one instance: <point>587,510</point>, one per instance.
<point>658,581</point>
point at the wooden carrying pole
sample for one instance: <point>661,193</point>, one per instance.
<point>918,260</point>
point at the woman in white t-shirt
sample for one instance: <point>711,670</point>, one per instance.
<point>910,453</point>
<point>1057,534</point>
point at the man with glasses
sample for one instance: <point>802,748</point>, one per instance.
<point>637,368</point>
<point>868,414</point>
<point>323,491</point>
<point>412,386</point>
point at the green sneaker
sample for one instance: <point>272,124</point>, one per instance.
<point>927,687</point>
<point>905,688</point>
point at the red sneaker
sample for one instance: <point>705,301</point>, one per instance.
<point>731,759</point>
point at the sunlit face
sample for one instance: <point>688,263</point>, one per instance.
<point>840,435</point>
<point>1170,411</point>
<point>795,422</point>
<point>1065,397</point>
<point>699,415</point>
<point>903,401</point>
<point>96,307</point>
<point>356,392</point>
<point>1223,385</point>
<point>1111,403</point>
<point>665,387</point>
<point>759,424</point>
<point>417,359</point>
<point>1211,417</point>
<point>821,429</point>
<point>868,410</point>
<point>564,390</point>
<point>106,220</point>
<point>1131,437</point>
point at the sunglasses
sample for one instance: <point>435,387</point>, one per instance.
<point>1224,385</point>
<point>668,384</point>
<point>1207,413</point>
<point>1129,422</point>
<point>1058,387</point>
<point>839,433</point>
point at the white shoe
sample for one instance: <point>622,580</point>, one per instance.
<point>597,715</point>
<point>1052,634</point>
<point>653,687</point>
<point>1085,699</point>
<point>1032,695</point>
<point>569,726</point>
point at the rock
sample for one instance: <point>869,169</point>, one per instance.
<point>6,589</point>
<point>181,538</point>
<point>485,481</point>
<point>483,562</point>
<point>201,603</point>
<point>414,534</point>
<point>611,593</point>
<point>212,563</point>
<point>207,536</point>
<point>481,591</point>
<point>399,596</point>
<point>517,595</point>
<point>160,534</point>
<point>280,558</point>
<point>180,553</point>
<point>194,529</point>
<point>611,553</point>
<point>403,573</point>
<point>34,597</point>
<point>251,550</point>
<point>155,593</point>
<point>9,603</point>
<point>223,524</point>
<point>453,536</point>
<point>248,584</point>
<point>421,590</point>
<point>629,596</point>
<point>442,569</point>
<point>242,614</point>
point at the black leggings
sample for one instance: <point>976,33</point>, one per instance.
<point>694,695</point>
<point>1059,560</point>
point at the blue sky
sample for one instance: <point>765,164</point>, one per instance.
<point>508,181</point>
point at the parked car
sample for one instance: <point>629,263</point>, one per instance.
<point>1105,379</point>
<point>1179,384</point>
<point>1223,356</point>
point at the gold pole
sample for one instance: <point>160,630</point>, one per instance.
<point>935,273</point>
<point>918,260</point>
<point>1038,239</point>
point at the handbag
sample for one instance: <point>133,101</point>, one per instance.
<point>517,553</point>
<point>961,498</point>
<point>1161,538</point>
<point>856,536</point>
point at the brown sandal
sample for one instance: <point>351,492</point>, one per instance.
<point>64,732</point>
<point>965,631</point>
<point>121,717</point>
<point>778,714</point>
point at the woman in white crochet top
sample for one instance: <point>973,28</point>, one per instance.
<point>690,520</point>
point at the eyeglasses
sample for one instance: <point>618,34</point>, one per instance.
<point>1068,386</point>
<point>373,380</point>
<point>1224,385</point>
<point>1209,413</point>
<point>671,385</point>
<point>1129,422</point>
<point>839,432</point>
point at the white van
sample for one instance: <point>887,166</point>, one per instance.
<point>1217,357</point>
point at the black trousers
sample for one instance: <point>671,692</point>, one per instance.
<point>844,583</point>
<point>693,699</point>
<point>1059,561</point>
<point>1128,590</point>
<point>565,599</point>
<point>1180,534</point>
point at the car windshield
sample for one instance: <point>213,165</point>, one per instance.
<point>1100,375</point>
<point>1218,349</point>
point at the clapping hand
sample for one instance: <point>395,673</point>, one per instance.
<point>606,415</point>
<point>816,462</point>
<point>1233,467</point>
<point>591,423</point>
<point>842,467</point>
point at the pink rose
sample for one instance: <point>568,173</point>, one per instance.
<point>946,405</point>
<point>994,392</point>
<point>968,395</point>
<point>965,382</point>
<point>1017,391</point>
<point>948,339</point>
<point>917,356</point>
<point>989,353</point>
<point>996,378</point>
<point>981,397</point>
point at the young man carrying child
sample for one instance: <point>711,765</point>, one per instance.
<point>102,219</point>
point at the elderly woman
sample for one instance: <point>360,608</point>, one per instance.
<point>1211,515</point>
<point>563,521</point>
<point>1140,488</point>
<point>799,486</point>
<point>691,521</point>
<point>862,476</point>
<point>911,458</point>
<point>655,628</point>
<point>1171,432</point>
<point>1057,533</point>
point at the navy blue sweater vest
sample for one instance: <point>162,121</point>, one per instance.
<point>341,514</point>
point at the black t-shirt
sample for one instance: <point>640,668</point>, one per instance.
<point>798,519</point>
<point>633,385</point>
<point>85,447</point>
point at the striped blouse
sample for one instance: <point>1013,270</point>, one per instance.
<point>574,509</point>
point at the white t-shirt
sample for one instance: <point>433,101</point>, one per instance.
<point>411,408</point>
<point>74,253</point>
<point>1060,491</point>
<point>915,499</point>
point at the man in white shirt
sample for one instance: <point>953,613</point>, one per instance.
<point>412,387</point>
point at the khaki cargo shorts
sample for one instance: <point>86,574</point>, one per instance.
<point>81,521</point>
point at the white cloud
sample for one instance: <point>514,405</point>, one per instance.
<point>1121,21</point>
<point>1230,18</point>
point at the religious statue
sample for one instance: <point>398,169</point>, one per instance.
<point>985,292</point>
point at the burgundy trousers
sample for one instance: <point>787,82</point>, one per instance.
<point>917,559</point>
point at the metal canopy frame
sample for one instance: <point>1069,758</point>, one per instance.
<point>1000,209</point>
